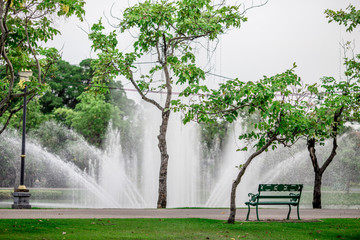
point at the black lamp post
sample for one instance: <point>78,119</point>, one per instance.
<point>21,194</point>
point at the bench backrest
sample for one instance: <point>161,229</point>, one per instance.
<point>280,188</point>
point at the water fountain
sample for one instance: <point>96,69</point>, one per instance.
<point>113,181</point>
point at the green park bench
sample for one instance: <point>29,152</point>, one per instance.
<point>275,194</point>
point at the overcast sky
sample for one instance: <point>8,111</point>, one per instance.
<point>274,37</point>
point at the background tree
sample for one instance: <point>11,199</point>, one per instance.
<point>338,104</point>
<point>168,30</point>
<point>90,117</point>
<point>23,26</point>
<point>280,103</point>
<point>66,83</point>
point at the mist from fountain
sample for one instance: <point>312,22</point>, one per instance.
<point>184,162</point>
<point>112,190</point>
<point>114,181</point>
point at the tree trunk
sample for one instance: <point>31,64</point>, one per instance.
<point>319,171</point>
<point>162,197</point>
<point>231,218</point>
<point>317,190</point>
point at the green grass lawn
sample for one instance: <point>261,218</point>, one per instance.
<point>175,229</point>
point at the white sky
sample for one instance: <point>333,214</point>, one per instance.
<point>274,37</point>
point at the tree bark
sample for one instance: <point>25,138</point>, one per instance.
<point>231,218</point>
<point>316,203</point>
<point>162,194</point>
<point>165,115</point>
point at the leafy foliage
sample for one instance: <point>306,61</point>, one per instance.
<point>23,26</point>
<point>278,101</point>
<point>66,83</point>
<point>35,117</point>
<point>349,18</point>
<point>90,117</point>
<point>168,29</point>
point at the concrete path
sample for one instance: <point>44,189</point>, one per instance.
<point>220,214</point>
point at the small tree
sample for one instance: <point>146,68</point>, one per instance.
<point>280,103</point>
<point>23,26</point>
<point>335,106</point>
<point>167,30</point>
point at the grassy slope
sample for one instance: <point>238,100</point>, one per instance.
<point>175,229</point>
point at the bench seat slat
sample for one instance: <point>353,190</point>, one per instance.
<point>278,196</point>
<point>271,203</point>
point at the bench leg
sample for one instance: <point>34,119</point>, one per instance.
<point>257,213</point>
<point>247,216</point>
<point>298,212</point>
<point>288,216</point>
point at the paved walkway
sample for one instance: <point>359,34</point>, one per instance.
<point>221,214</point>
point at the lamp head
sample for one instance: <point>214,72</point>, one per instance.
<point>25,75</point>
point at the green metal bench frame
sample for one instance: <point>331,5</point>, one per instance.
<point>290,199</point>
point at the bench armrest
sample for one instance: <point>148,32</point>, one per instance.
<point>295,198</point>
<point>253,197</point>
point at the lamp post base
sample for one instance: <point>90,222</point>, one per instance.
<point>21,199</point>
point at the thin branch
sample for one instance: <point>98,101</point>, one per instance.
<point>12,113</point>
<point>254,6</point>
<point>156,104</point>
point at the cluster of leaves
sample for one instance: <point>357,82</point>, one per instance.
<point>166,28</point>
<point>66,83</point>
<point>279,103</point>
<point>66,100</point>
<point>90,117</point>
<point>24,24</point>
<point>334,106</point>
<point>349,18</point>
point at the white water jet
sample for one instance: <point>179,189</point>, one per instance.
<point>114,189</point>
<point>113,174</point>
<point>228,171</point>
<point>184,161</point>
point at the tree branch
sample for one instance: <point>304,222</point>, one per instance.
<point>149,100</point>
<point>12,113</point>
